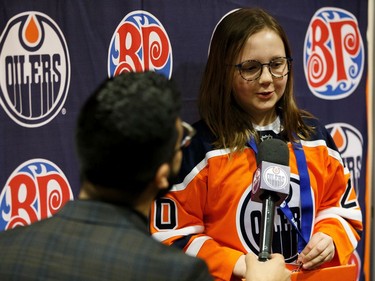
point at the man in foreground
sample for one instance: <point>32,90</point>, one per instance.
<point>129,137</point>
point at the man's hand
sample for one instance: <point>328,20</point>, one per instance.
<point>240,267</point>
<point>271,270</point>
<point>319,250</point>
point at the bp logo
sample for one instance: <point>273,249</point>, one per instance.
<point>36,189</point>
<point>333,54</point>
<point>140,43</point>
<point>35,69</point>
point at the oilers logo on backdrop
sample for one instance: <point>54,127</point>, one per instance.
<point>349,142</point>
<point>36,190</point>
<point>285,237</point>
<point>140,43</point>
<point>35,69</point>
<point>333,55</point>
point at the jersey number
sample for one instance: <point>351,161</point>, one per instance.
<point>165,214</point>
<point>345,200</point>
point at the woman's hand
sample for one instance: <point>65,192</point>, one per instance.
<point>319,250</point>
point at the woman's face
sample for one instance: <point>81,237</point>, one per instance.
<point>259,97</point>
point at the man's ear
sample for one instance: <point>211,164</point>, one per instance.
<point>161,177</point>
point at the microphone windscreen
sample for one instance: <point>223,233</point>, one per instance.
<point>274,151</point>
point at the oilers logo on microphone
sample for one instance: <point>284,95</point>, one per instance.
<point>275,177</point>
<point>284,237</point>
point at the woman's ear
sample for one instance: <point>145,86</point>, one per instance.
<point>161,177</point>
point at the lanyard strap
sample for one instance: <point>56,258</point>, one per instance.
<point>305,196</point>
<point>253,145</point>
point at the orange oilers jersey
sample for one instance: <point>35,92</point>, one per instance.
<point>209,214</point>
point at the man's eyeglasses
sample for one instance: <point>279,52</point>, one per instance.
<point>188,134</point>
<point>251,70</point>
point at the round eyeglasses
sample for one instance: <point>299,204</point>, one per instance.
<point>251,70</point>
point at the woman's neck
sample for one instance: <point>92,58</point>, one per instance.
<point>265,119</point>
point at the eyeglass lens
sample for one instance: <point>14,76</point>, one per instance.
<point>252,69</point>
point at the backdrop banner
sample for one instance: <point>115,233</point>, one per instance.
<point>54,53</point>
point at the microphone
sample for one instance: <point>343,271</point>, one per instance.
<point>270,187</point>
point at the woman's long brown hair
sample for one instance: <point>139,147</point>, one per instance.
<point>227,120</point>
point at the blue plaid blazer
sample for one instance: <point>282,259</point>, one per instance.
<point>90,240</point>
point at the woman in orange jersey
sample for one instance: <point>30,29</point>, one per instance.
<point>246,96</point>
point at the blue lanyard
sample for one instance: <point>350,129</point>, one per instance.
<point>305,195</point>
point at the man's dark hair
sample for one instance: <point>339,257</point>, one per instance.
<point>127,129</point>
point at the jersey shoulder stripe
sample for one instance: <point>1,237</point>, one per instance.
<point>331,151</point>
<point>198,168</point>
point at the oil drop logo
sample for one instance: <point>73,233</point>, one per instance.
<point>35,69</point>
<point>349,142</point>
